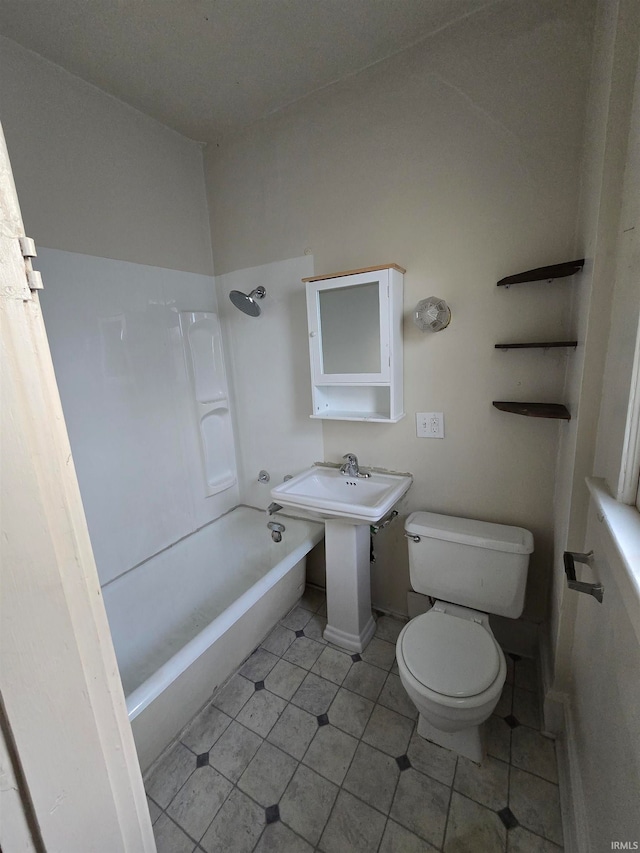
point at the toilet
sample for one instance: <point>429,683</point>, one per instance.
<point>448,659</point>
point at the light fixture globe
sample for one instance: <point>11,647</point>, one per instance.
<point>432,314</point>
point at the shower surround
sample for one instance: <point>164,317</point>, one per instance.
<point>155,429</point>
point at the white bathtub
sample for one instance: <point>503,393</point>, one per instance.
<point>185,619</point>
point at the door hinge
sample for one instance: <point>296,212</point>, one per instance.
<point>28,249</point>
<point>34,280</point>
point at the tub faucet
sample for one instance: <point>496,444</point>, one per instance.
<point>276,530</point>
<point>351,467</point>
<point>273,508</point>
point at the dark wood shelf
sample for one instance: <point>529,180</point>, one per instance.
<point>538,345</point>
<point>535,410</point>
<point>543,273</point>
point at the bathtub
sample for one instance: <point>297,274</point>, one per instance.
<point>186,618</point>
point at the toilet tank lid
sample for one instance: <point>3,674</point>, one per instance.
<point>469,531</point>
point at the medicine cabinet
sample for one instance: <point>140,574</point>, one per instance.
<point>355,344</point>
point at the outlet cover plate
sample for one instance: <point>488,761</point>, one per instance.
<point>430,424</point>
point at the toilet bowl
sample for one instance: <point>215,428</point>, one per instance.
<point>449,661</point>
<point>453,670</point>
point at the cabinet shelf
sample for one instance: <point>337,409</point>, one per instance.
<point>543,273</point>
<point>535,410</point>
<point>538,345</point>
<point>373,417</point>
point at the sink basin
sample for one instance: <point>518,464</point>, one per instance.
<point>328,494</point>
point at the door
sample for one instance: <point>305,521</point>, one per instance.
<point>66,739</point>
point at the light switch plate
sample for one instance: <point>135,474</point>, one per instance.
<point>430,424</point>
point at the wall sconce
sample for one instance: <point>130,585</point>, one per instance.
<point>432,314</point>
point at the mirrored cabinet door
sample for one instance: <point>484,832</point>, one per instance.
<point>355,344</point>
<point>349,329</point>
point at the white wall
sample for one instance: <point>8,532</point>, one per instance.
<point>598,231</point>
<point>119,200</point>
<point>272,393</point>
<point>117,349</point>
<point>603,711</point>
<point>591,660</point>
<point>457,159</point>
<point>96,176</point>
<point>625,313</point>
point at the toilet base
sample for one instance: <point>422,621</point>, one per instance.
<point>468,742</point>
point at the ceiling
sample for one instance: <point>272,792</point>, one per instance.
<point>210,67</point>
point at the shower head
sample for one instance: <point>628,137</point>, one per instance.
<point>248,304</point>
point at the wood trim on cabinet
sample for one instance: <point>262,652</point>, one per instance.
<point>356,272</point>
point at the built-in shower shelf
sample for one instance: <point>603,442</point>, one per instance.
<point>202,343</point>
<point>535,410</point>
<point>544,273</point>
<point>538,345</point>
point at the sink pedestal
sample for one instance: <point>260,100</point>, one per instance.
<point>350,623</point>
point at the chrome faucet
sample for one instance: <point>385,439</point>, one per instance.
<point>351,467</point>
<point>276,530</point>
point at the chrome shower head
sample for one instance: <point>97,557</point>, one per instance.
<point>248,304</point>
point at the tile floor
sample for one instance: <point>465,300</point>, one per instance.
<point>309,748</point>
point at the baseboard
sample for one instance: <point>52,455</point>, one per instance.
<point>572,800</point>
<point>516,635</point>
<point>553,701</point>
<point>382,609</point>
<point>559,723</point>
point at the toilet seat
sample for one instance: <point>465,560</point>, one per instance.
<point>451,655</point>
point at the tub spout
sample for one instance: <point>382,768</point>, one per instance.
<point>273,508</point>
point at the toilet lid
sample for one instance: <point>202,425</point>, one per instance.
<point>449,654</point>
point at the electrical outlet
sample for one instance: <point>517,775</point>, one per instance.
<point>430,424</point>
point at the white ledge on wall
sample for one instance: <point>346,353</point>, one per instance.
<point>622,523</point>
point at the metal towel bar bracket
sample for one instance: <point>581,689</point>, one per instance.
<point>570,559</point>
<point>376,528</point>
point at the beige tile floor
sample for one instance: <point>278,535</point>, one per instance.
<point>309,748</point>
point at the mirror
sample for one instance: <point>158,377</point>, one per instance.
<point>350,328</point>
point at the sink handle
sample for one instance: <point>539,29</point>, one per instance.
<point>350,467</point>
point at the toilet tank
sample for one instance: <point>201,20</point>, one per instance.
<point>473,563</point>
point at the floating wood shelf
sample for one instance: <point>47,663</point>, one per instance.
<point>535,410</point>
<point>538,345</point>
<point>543,273</point>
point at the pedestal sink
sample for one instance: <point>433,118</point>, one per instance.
<point>348,506</point>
